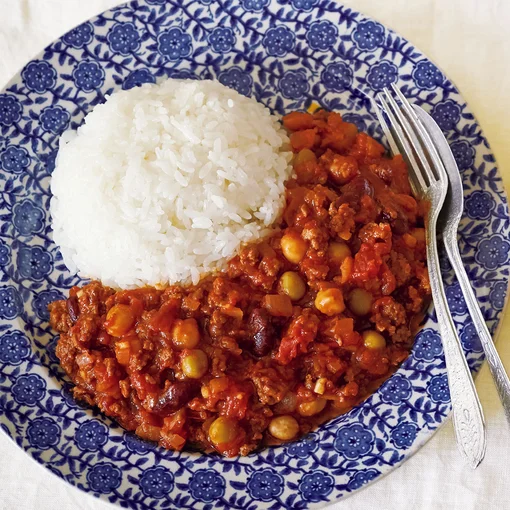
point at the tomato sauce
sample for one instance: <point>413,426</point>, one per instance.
<point>301,327</point>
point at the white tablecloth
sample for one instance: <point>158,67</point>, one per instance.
<point>469,40</point>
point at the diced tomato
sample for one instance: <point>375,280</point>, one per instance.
<point>339,136</point>
<point>351,389</point>
<point>235,405</point>
<point>278,305</point>
<point>164,318</point>
<point>374,361</point>
<point>176,422</point>
<point>310,172</point>
<point>367,263</point>
<point>144,385</point>
<point>300,333</point>
<point>295,200</point>
<point>400,179</point>
<point>366,149</point>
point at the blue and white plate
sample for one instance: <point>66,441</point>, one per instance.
<point>286,54</point>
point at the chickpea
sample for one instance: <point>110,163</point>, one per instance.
<point>185,334</point>
<point>293,248</point>
<point>284,428</point>
<point>304,156</point>
<point>360,301</point>
<point>373,340</point>
<point>312,408</point>
<point>120,319</point>
<point>330,301</point>
<point>337,252</point>
<point>223,431</point>
<point>194,364</point>
<point>293,285</point>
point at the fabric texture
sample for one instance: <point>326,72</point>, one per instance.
<point>468,40</point>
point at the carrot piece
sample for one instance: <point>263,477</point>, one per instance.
<point>306,139</point>
<point>297,121</point>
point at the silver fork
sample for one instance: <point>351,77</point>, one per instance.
<point>448,227</point>
<point>429,181</point>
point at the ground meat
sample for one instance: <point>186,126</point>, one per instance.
<point>61,320</point>
<point>256,264</point>
<point>415,302</point>
<point>341,169</point>
<point>374,232</point>
<point>315,266</point>
<point>400,267</point>
<point>402,335</point>
<point>387,314</point>
<point>341,221</point>
<point>269,385</point>
<point>315,235</point>
<point>318,199</point>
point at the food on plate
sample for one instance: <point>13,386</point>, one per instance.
<point>302,324</point>
<point>162,183</point>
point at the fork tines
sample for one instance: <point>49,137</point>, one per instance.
<point>407,136</point>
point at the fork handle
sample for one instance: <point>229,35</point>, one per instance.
<point>468,417</point>
<point>496,366</point>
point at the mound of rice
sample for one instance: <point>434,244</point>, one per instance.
<point>163,183</point>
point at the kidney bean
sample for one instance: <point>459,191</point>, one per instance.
<point>72,308</point>
<point>261,330</point>
<point>177,395</point>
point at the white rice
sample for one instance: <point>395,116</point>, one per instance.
<point>163,183</point>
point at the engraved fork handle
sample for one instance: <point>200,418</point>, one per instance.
<point>495,364</point>
<point>468,417</point>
